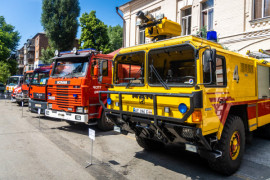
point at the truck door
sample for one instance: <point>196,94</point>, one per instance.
<point>217,95</point>
<point>263,95</point>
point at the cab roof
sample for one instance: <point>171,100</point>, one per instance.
<point>195,41</point>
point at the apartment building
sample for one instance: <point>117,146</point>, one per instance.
<point>29,54</point>
<point>20,60</point>
<point>241,25</point>
<point>41,42</point>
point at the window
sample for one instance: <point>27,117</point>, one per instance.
<point>40,78</point>
<point>207,14</point>
<point>141,36</point>
<point>105,66</point>
<point>261,9</point>
<point>129,68</point>
<point>186,21</point>
<point>174,66</point>
<point>37,53</point>
<point>70,67</point>
<point>219,76</point>
<point>263,82</point>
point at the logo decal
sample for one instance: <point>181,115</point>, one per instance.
<point>62,82</point>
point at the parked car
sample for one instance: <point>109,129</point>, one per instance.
<point>2,87</point>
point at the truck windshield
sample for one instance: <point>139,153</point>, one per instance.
<point>172,66</point>
<point>13,81</point>
<point>40,78</point>
<point>129,68</point>
<point>27,78</point>
<point>71,67</point>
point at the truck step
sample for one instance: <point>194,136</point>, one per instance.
<point>94,104</point>
<point>93,114</point>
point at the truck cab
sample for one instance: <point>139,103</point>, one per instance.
<point>38,89</point>
<point>73,87</point>
<point>12,83</point>
<point>22,96</point>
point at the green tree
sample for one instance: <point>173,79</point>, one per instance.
<point>59,20</point>
<point>202,32</point>
<point>9,39</point>
<point>47,55</point>
<point>94,33</point>
<point>116,37</point>
<point>4,71</point>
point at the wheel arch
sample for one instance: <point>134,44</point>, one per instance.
<point>236,110</point>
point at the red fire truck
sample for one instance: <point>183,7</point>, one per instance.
<point>38,89</point>
<point>73,87</point>
<point>22,95</point>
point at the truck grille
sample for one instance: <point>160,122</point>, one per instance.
<point>64,96</point>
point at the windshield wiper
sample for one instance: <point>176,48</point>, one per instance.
<point>129,83</point>
<point>158,77</point>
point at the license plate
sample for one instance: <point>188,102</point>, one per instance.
<point>142,111</point>
<point>37,105</point>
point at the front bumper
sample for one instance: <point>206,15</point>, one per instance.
<point>35,105</point>
<point>83,118</point>
<point>21,98</point>
<point>13,99</point>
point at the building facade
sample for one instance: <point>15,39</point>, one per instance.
<point>240,25</point>
<point>28,57</point>
<point>20,60</point>
<point>41,42</point>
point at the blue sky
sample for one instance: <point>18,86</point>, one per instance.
<point>25,15</point>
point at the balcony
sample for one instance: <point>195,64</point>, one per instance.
<point>30,56</point>
<point>20,66</point>
<point>31,49</point>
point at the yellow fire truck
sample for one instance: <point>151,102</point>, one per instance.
<point>191,91</point>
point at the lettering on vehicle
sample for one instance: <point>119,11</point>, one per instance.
<point>96,87</point>
<point>62,82</point>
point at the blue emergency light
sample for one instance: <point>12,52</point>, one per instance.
<point>212,36</point>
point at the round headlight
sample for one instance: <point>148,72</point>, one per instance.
<point>182,108</point>
<point>109,101</point>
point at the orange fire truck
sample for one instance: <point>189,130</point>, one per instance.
<point>73,87</point>
<point>38,89</point>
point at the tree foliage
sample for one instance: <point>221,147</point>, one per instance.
<point>9,39</point>
<point>94,33</point>
<point>59,20</point>
<point>47,55</point>
<point>116,37</point>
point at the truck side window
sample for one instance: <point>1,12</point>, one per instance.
<point>219,76</point>
<point>105,68</point>
<point>263,82</point>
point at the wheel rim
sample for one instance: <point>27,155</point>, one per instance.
<point>235,145</point>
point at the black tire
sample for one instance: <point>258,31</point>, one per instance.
<point>149,144</point>
<point>105,123</point>
<point>227,164</point>
<point>19,103</point>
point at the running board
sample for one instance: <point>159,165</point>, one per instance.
<point>92,124</point>
<point>93,114</point>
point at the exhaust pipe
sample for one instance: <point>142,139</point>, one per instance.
<point>124,27</point>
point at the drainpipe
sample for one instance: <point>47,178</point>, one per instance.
<point>124,27</point>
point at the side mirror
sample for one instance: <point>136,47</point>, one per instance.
<point>209,60</point>
<point>96,70</point>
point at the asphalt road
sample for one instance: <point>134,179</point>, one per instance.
<point>56,150</point>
